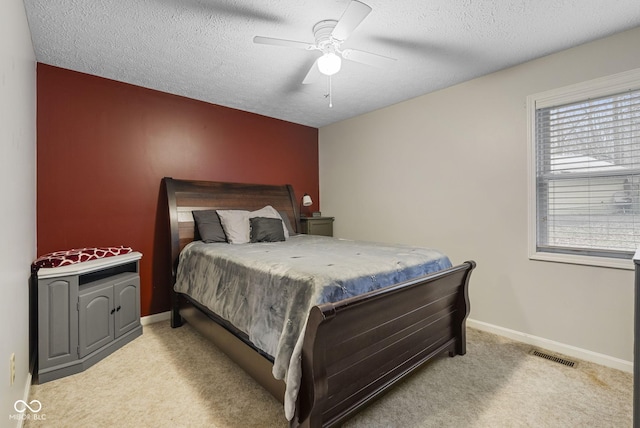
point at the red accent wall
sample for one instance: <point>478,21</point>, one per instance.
<point>104,146</point>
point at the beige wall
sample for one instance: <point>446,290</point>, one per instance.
<point>449,170</point>
<point>17,216</point>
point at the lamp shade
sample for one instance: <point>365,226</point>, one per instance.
<point>329,64</point>
<point>306,200</point>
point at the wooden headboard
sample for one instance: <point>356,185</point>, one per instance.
<point>185,196</point>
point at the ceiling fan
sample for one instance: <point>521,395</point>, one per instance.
<point>329,35</point>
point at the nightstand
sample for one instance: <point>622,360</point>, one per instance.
<point>317,225</point>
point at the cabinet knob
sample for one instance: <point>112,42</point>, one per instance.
<point>118,308</point>
<point>112,311</point>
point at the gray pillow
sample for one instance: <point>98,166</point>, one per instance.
<point>269,212</point>
<point>208,226</point>
<point>265,229</point>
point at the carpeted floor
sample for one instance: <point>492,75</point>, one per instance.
<point>175,378</point>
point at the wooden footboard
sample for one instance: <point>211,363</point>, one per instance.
<point>357,348</point>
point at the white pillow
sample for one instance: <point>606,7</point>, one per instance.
<point>270,212</point>
<point>235,224</point>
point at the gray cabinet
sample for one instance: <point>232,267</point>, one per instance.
<point>85,314</point>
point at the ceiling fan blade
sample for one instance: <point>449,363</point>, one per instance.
<point>312,75</point>
<point>283,42</point>
<point>355,13</point>
<point>367,58</point>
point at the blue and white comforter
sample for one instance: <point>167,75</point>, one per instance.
<point>266,290</point>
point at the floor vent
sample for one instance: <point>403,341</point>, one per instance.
<point>567,363</point>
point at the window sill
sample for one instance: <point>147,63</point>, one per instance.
<point>584,260</point>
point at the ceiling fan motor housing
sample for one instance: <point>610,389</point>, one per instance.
<point>322,32</point>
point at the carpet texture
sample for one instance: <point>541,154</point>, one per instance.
<point>176,378</point>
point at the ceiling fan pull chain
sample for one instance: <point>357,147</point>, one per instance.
<point>330,95</point>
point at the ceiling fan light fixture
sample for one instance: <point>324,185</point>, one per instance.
<point>329,64</point>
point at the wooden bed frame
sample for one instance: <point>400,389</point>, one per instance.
<point>354,349</point>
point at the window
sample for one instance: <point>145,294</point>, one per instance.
<point>584,179</point>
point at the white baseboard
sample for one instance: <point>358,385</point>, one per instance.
<point>550,345</point>
<point>150,319</point>
<point>25,395</point>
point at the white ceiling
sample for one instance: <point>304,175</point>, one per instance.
<point>203,49</point>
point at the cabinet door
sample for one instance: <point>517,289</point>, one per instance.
<point>95,319</point>
<point>57,321</point>
<point>127,301</point>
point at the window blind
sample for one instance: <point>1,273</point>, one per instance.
<point>588,176</point>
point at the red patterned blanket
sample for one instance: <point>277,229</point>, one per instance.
<point>78,255</point>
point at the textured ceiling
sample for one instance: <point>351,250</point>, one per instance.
<point>203,49</point>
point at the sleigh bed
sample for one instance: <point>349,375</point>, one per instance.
<point>349,350</point>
